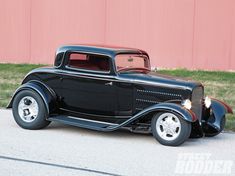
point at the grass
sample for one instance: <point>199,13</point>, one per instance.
<point>217,84</point>
<point>220,85</point>
<point>11,76</point>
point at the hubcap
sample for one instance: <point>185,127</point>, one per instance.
<point>28,109</point>
<point>168,126</point>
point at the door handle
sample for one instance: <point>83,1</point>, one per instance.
<point>109,84</point>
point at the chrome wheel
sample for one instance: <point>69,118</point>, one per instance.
<point>28,109</point>
<point>168,126</point>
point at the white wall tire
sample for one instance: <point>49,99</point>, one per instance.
<point>170,129</point>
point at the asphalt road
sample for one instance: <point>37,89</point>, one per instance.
<point>65,150</point>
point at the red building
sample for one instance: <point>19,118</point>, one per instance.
<point>195,34</point>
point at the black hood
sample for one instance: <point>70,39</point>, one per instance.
<point>157,79</point>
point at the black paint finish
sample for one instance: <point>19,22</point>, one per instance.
<point>127,98</point>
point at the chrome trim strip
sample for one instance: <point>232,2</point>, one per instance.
<point>147,101</point>
<point>139,109</point>
<point>155,92</point>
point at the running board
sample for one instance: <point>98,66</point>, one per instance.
<point>84,123</point>
<point>103,126</point>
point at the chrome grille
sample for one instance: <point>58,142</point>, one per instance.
<point>197,96</point>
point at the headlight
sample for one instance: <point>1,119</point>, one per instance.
<point>207,102</point>
<point>187,104</point>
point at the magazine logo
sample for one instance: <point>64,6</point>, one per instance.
<point>201,163</point>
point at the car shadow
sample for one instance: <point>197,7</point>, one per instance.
<point>123,134</point>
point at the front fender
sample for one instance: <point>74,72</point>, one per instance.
<point>47,95</point>
<point>216,118</point>
<point>219,107</point>
<point>187,115</point>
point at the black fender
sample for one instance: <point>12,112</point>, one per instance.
<point>47,94</point>
<point>186,114</point>
<point>216,118</point>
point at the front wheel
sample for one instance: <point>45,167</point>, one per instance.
<point>29,110</point>
<point>170,129</point>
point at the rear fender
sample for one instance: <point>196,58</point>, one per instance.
<point>48,96</point>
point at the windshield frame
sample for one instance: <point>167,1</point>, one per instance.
<point>143,55</point>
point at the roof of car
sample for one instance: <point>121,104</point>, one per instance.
<point>99,49</point>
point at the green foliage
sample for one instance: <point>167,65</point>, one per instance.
<point>11,76</point>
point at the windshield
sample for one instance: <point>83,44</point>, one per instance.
<point>132,63</point>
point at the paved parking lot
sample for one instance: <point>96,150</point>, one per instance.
<point>65,150</point>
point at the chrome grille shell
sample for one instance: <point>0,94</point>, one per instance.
<point>197,98</point>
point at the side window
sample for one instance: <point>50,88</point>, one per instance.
<point>89,62</point>
<point>58,59</point>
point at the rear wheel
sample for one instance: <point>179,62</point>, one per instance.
<point>29,110</point>
<point>170,129</point>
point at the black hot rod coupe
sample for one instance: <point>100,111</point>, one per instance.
<point>106,88</point>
